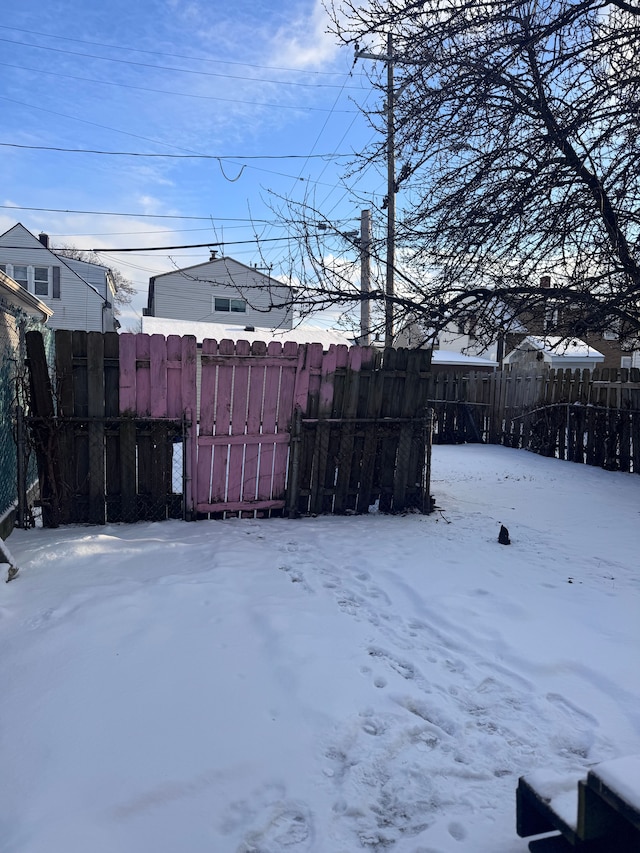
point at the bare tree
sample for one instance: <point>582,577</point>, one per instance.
<point>124,288</point>
<point>516,127</point>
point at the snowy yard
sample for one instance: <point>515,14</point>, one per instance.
<point>324,685</point>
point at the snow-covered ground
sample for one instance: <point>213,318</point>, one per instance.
<point>325,685</point>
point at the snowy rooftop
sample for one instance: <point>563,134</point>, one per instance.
<point>557,346</point>
<point>219,331</point>
<point>445,357</point>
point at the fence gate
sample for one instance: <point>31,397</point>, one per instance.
<point>240,451</point>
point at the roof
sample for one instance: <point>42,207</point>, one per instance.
<point>561,348</point>
<point>220,331</point>
<point>443,357</point>
<point>28,302</point>
<point>60,258</point>
<point>221,262</point>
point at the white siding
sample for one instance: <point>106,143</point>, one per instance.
<point>189,294</point>
<point>79,306</point>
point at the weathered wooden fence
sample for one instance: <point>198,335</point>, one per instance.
<point>364,435</point>
<point>579,416</point>
<point>106,424</point>
<point>122,411</point>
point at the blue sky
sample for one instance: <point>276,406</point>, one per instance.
<point>260,85</point>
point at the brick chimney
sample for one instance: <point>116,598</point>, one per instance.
<point>545,281</point>
<point>44,239</point>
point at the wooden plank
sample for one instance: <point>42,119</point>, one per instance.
<point>189,402</point>
<point>319,472</point>
<point>161,455</point>
<point>174,366</point>
<point>238,423</point>
<point>347,472</point>
<point>127,356</point>
<point>309,379</point>
<point>143,376</point>
<point>284,418</point>
<point>241,506</point>
<point>158,376</point>
<point>222,424</point>
<point>206,424</point>
<point>81,476</point>
<point>394,372</point>
<point>254,417</point>
<point>66,432</point>
<point>371,411</point>
<point>270,408</point>
<point>128,470</point>
<point>96,412</point>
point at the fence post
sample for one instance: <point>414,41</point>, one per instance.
<point>21,483</point>
<point>427,503</point>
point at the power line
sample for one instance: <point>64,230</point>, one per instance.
<point>334,156</point>
<point>175,94</point>
<point>164,53</point>
<point>188,246</point>
<point>137,215</point>
<point>169,67</point>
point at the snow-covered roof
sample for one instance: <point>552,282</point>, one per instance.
<point>557,346</point>
<point>446,357</point>
<point>220,331</point>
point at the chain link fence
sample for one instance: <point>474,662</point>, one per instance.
<point>18,469</point>
<point>104,470</point>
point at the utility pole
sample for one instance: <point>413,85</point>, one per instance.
<point>391,190</point>
<point>365,276</point>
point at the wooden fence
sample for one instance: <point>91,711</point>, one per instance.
<point>108,428</point>
<point>364,435</point>
<point>579,416</point>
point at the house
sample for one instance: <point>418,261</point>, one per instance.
<point>457,347</point>
<point>79,294</point>
<point>20,311</point>
<point>554,352</point>
<point>555,317</point>
<point>221,290</point>
<point>519,329</point>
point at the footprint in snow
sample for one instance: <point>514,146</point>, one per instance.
<point>289,826</point>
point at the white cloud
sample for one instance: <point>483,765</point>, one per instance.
<point>305,42</point>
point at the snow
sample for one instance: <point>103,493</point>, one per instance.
<point>441,356</point>
<point>325,684</point>
<point>219,331</point>
<point>560,793</point>
<point>558,346</point>
<point>622,776</point>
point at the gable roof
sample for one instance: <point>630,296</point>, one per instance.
<point>221,262</point>
<point>28,302</point>
<point>57,258</point>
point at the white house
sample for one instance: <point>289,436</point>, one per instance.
<point>80,294</point>
<point>221,291</point>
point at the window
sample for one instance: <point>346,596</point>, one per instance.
<point>235,306</point>
<point>43,282</point>
<point>21,275</point>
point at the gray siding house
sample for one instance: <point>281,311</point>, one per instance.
<point>80,294</point>
<point>220,291</point>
